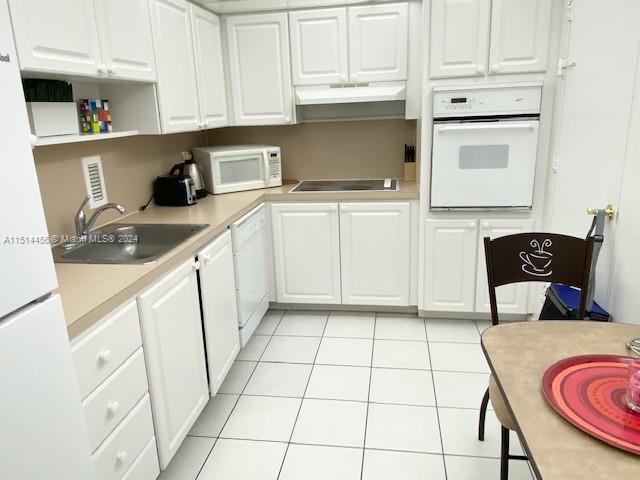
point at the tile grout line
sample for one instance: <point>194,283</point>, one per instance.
<point>238,399</point>
<point>366,418</point>
<point>284,457</point>
<point>435,398</point>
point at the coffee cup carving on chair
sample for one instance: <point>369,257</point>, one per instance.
<point>538,262</point>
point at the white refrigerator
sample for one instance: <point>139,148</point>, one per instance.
<point>42,429</point>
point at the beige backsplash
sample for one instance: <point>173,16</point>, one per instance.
<point>130,165</point>
<point>372,148</point>
<point>357,149</point>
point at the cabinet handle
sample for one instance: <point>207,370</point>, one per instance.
<point>113,407</point>
<point>102,70</point>
<point>122,456</point>
<point>495,68</point>
<point>105,355</point>
<point>486,225</point>
<point>480,69</point>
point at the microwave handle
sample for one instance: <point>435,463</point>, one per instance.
<point>265,156</point>
<point>493,126</point>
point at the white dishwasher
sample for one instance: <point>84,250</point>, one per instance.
<point>250,250</point>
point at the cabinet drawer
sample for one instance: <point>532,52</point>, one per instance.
<point>99,352</point>
<point>120,449</point>
<point>111,401</point>
<point>146,466</point>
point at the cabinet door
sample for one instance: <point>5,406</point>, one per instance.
<point>56,36</point>
<point>378,43</point>
<point>207,45</point>
<point>374,252</point>
<point>260,69</point>
<point>218,294</point>
<point>319,46</point>
<point>459,37</point>
<point>174,353</point>
<point>519,36</point>
<point>450,265</point>
<point>124,27</point>
<point>511,298</point>
<point>177,87</point>
<point>306,246</point>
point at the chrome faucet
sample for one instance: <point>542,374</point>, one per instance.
<point>82,225</point>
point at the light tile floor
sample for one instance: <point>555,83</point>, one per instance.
<point>342,396</point>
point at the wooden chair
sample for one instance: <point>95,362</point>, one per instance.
<point>529,257</point>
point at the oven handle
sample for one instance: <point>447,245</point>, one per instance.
<point>493,126</point>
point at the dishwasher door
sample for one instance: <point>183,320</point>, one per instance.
<point>249,237</point>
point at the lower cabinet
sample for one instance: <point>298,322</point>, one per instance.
<point>351,253</point>
<point>306,252</point>
<point>174,352</point>
<point>219,308</point>
<point>374,253</point>
<point>455,275</point>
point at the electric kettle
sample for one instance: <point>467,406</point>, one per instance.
<point>190,168</point>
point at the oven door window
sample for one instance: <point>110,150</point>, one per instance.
<point>241,170</point>
<point>478,157</point>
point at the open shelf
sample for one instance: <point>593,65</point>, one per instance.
<point>87,137</point>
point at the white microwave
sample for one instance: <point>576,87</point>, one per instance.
<point>234,168</point>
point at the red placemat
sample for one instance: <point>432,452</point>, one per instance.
<point>589,391</point>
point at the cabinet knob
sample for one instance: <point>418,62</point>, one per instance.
<point>102,70</point>
<point>343,208</point>
<point>208,259</point>
<point>480,69</point>
<point>122,456</point>
<point>113,407</point>
<point>343,78</point>
<point>472,225</point>
<point>105,355</point>
<point>495,68</point>
<point>333,208</point>
<point>354,76</point>
<point>486,225</point>
<point>111,70</point>
<point>195,266</point>
<point>287,119</point>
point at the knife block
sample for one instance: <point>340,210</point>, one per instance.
<point>410,171</point>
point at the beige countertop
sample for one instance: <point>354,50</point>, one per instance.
<point>90,291</point>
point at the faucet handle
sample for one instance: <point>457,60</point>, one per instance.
<point>84,203</point>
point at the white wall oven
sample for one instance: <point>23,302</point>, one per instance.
<point>484,146</point>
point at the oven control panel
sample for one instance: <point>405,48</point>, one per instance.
<point>487,100</point>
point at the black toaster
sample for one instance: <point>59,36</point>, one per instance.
<point>174,191</point>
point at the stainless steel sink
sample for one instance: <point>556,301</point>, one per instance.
<point>126,243</point>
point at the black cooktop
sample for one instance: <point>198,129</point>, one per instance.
<point>375,185</point>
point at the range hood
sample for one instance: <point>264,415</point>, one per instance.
<point>350,93</point>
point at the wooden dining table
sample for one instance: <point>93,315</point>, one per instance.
<point>518,355</point>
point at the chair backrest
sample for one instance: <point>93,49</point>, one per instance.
<point>538,257</point>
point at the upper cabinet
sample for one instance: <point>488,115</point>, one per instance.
<point>100,38</point>
<point>319,46</point>
<point>190,74</point>
<point>207,44</point>
<point>519,35</point>
<point>476,37</point>
<point>459,37</point>
<point>355,44</point>
<point>378,43</point>
<point>260,68</point>
<point>124,28</point>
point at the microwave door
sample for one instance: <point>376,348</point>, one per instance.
<point>239,172</point>
<point>484,164</point>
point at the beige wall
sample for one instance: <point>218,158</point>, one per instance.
<point>130,165</point>
<point>372,148</point>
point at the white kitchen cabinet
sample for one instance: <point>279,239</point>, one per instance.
<point>511,298</point>
<point>319,46</point>
<point>175,63</point>
<point>519,36</point>
<point>374,252</point>
<point>450,265</point>
<point>459,37</point>
<point>260,68</point>
<point>174,353</point>
<point>57,37</point>
<point>306,252</point>
<point>207,44</point>
<point>219,309</point>
<point>124,29</point>
<point>378,42</point>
